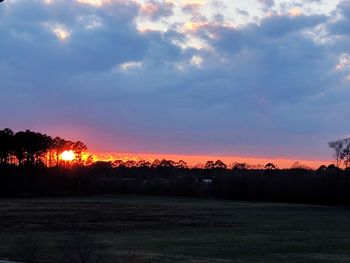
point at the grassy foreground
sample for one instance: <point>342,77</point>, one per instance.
<point>169,229</point>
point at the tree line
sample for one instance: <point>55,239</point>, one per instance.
<point>33,148</point>
<point>30,165</point>
<point>25,148</point>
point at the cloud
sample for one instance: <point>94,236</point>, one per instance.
<point>264,86</point>
<point>192,6</point>
<point>157,9</point>
<point>267,3</point>
<point>341,25</point>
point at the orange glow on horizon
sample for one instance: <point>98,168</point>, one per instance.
<point>200,160</point>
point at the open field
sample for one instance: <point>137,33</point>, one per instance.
<point>169,229</point>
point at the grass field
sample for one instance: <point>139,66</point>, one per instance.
<point>169,229</point>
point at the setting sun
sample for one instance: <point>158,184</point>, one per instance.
<point>68,156</point>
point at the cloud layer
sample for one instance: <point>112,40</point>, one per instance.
<point>262,78</point>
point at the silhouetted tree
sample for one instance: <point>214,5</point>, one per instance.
<point>337,147</point>
<point>143,163</point>
<point>215,165</point>
<point>130,164</point>
<point>79,148</point>
<point>30,146</point>
<point>345,153</point>
<point>240,166</point>
<point>181,165</point>
<point>298,165</point>
<point>209,165</point>
<point>59,146</point>
<point>19,147</point>
<point>155,163</point>
<point>166,163</point>
<point>118,163</point>
<point>270,166</point>
<point>321,170</point>
<point>6,144</point>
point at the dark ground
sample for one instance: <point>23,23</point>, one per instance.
<point>170,229</point>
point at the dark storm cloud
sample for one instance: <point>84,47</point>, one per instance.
<point>261,89</point>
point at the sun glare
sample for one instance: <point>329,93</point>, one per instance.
<point>68,156</point>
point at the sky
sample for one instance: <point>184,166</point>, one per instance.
<point>257,78</point>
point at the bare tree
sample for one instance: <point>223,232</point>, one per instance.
<point>337,147</point>
<point>345,154</point>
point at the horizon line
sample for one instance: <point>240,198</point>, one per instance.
<point>194,160</point>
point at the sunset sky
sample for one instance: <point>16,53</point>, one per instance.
<point>259,78</point>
